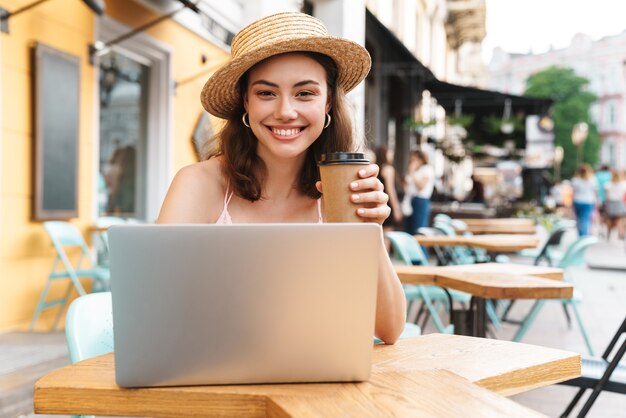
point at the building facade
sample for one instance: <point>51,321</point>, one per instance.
<point>602,62</point>
<point>138,108</point>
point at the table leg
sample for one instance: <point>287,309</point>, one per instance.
<point>480,317</point>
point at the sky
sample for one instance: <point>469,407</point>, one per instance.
<point>524,25</point>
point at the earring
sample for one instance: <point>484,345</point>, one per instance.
<point>327,120</point>
<point>243,119</point>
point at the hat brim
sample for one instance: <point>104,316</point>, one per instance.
<point>220,95</point>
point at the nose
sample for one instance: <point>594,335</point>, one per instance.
<point>285,109</point>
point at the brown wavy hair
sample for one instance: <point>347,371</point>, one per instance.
<point>237,144</point>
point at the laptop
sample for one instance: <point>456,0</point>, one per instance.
<point>241,304</point>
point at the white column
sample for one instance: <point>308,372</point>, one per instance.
<point>346,18</point>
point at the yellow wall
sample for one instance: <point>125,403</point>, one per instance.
<point>26,255</point>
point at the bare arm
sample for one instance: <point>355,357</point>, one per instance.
<point>391,302</point>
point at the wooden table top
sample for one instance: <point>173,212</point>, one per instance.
<point>492,280</point>
<point>499,229</point>
<point>501,243</point>
<point>435,375</point>
<point>498,221</point>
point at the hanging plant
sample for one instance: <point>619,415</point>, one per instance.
<point>462,120</point>
<point>417,126</point>
<point>493,124</point>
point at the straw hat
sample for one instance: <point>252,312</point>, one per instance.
<point>278,34</point>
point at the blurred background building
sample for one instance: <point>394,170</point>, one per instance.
<point>602,62</point>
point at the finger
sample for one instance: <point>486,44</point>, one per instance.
<point>379,213</point>
<point>378,197</point>
<point>371,170</point>
<point>370,183</point>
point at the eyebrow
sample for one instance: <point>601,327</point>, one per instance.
<point>298,84</point>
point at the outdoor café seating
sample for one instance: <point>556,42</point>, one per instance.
<point>574,256</point>
<point>407,251</point>
<point>66,236</point>
<point>549,251</point>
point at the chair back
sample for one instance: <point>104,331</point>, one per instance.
<point>445,227</point>
<point>406,249</point>
<point>65,234</point>
<point>442,217</point>
<point>575,253</point>
<point>458,224</point>
<point>89,326</point>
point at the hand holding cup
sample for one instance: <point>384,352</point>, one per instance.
<point>352,191</point>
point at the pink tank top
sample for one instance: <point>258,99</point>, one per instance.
<point>225,219</point>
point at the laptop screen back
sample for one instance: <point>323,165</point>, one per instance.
<point>263,303</point>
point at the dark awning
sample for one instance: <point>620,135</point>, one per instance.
<point>394,58</point>
<point>482,102</point>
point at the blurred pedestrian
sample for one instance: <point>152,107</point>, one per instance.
<point>477,194</point>
<point>421,178</point>
<point>614,207</point>
<point>388,176</point>
<point>603,176</point>
<point>585,197</point>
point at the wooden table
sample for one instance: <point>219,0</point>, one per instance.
<point>96,229</point>
<point>497,221</point>
<point>520,229</point>
<point>498,243</point>
<point>500,226</point>
<point>433,375</point>
<point>491,281</point>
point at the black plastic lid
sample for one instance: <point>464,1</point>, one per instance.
<point>343,158</point>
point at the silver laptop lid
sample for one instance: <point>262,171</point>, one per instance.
<point>222,304</point>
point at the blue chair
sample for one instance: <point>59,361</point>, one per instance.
<point>65,235</point>
<point>89,327</point>
<point>574,256</point>
<point>407,250</point>
<point>462,254</point>
<point>549,251</point>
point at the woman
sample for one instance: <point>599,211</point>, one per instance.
<point>614,207</point>
<point>283,98</point>
<point>389,179</point>
<point>420,179</point>
<point>585,197</point>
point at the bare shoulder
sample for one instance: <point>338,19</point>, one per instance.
<point>196,194</point>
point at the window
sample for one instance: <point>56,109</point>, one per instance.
<point>123,125</point>
<point>134,161</point>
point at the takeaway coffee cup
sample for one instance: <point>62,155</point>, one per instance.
<point>337,171</point>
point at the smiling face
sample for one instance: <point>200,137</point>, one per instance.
<point>286,99</point>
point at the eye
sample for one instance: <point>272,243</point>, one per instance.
<point>264,93</point>
<point>305,93</point>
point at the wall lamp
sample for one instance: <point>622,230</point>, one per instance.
<point>96,5</point>
<point>100,48</point>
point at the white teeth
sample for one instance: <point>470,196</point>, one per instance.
<point>286,132</point>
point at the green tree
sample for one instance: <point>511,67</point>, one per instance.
<point>571,105</point>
